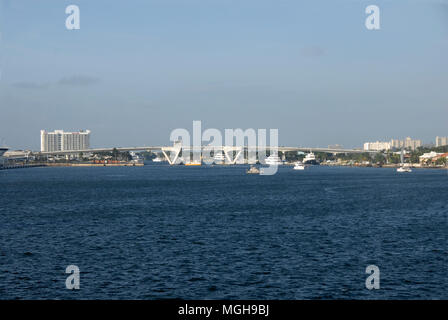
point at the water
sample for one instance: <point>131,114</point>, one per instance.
<point>209,233</point>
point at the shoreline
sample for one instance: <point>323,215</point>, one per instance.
<point>94,165</point>
<point>54,165</point>
<point>385,166</point>
<point>40,165</point>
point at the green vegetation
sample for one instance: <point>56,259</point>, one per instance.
<point>388,157</point>
<point>393,158</point>
<point>356,157</point>
<point>441,161</point>
<point>148,155</point>
<point>379,158</point>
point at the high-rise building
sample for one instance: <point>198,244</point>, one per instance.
<point>395,143</point>
<point>441,141</point>
<point>412,144</point>
<point>60,140</point>
<point>407,143</point>
<point>376,146</point>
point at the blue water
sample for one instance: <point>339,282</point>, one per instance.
<point>214,232</point>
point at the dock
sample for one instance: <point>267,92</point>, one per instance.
<point>22,166</point>
<point>36,165</point>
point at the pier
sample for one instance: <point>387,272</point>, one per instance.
<point>22,166</point>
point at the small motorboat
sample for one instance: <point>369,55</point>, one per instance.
<point>299,166</point>
<point>273,160</point>
<point>404,169</point>
<point>253,170</point>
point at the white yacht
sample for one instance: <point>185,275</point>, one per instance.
<point>310,158</point>
<point>157,159</point>
<point>219,158</point>
<point>136,158</point>
<point>273,160</point>
<point>299,166</point>
<point>402,167</point>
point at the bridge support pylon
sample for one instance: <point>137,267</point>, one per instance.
<point>176,151</point>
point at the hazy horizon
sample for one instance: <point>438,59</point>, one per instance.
<point>134,72</point>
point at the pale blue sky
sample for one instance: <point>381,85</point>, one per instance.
<point>138,69</point>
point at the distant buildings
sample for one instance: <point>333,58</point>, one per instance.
<point>441,141</point>
<point>376,146</point>
<point>60,140</point>
<point>408,143</point>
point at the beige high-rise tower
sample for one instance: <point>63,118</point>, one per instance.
<point>60,140</point>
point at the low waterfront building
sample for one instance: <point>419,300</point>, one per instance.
<point>18,155</point>
<point>430,157</point>
<point>443,155</point>
<point>60,140</point>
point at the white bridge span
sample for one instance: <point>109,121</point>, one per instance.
<point>232,153</point>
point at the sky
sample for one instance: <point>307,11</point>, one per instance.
<point>136,70</point>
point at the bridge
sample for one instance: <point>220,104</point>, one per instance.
<point>232,153</point>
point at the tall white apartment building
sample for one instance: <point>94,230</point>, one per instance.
<point>407,143</point>
<point>60,140</point>
<point>441,141</point>
<point>376,146</point>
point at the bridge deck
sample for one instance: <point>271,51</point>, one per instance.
<point>231,148</point>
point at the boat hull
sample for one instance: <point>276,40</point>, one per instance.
<point>2,152</point>
<point>312,162</point>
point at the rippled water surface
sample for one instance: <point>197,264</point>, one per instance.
<point>215,232</point>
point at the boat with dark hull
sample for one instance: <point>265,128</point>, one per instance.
<point>2,152</point>
<point>310,159</point>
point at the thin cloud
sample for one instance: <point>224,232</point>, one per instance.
<point>29,85</point>
<point>312,51</point>
<point>78,80</point>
